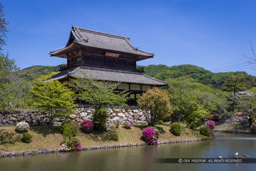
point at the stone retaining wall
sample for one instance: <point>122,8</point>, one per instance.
<point>116,116</point>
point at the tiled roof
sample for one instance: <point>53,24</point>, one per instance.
<point>101,40</point>
<point>110,75</point>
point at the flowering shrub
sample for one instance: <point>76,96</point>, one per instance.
<point>22,127</point>
<point>241,114</point>
<point>73,144</point>
<point>128,125</point>
<point>64,147</point>
<point>210,124</point>
<point>87,126</point>
<point>176,129</point>
<point>150,135</point>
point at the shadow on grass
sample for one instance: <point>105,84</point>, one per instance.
<point>3,150</point>
<point>166,123</point>
<point>45,130</point>
<point>160,129</point>
<point>100,136</point>
<point>141,127</point>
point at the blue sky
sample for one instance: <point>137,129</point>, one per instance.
<point>214,34</point>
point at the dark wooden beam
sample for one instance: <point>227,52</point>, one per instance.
<point>140,89</point>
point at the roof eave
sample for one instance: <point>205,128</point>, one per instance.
<point>59,52</point>
<point>145,56</point>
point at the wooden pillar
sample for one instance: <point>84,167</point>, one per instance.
<point>141,89</point>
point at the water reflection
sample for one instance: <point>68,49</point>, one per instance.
<point>141,158</point>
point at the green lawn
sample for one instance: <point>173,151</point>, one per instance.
<point>49,138</point>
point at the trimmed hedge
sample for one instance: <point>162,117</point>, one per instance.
<point>100,119</point>
<point>176,129</point>
<point>205,131</point>
<point>69,129</point>
<point>26,138</point>
<point>112,135</point>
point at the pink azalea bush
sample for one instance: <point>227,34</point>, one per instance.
<point>73,144</point>
<point>150,135</point>
<point>87,126</point>
<point>64,147</point>
<point>210,124</point>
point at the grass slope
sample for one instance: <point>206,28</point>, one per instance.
<point>47,138</point>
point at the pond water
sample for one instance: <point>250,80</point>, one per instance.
<point>143,157</point>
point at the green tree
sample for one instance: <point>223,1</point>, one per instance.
<point>157,102</point>
<point>233,85</point>
<point>180,95</point>
<point>52,97</point>
<point>100,94</point>
<point>247,103</point>
<point>21,96</point>
<point>7,65</point>
<point>198,116</point>
<point>7,86</point>
<point>3,30</point>
<point>185,93</point>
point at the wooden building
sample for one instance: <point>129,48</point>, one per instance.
<point>105,57</point>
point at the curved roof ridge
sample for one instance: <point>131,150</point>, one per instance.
<point>75,35</point>
<point>137,49</point>
<point>79,35</point>
<point>73,71</point>
<point>53,53</point>
<point>101,33</point>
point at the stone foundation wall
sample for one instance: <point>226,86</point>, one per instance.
<point>116,116</point>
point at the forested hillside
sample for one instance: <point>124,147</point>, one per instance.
<point>188,78</point>
<point>31,73</point>
<point>201,75</point>
<point>162,72</point>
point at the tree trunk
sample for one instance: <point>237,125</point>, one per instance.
<point>152,119</point>
<point>51,119</point>
<point>250,121</point>
<point>179,116</point>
